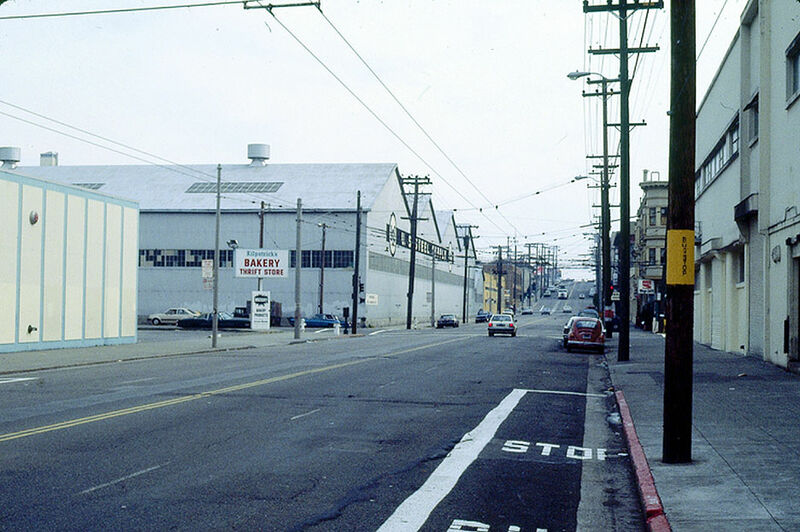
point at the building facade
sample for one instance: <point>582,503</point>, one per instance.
<point>747,191</point>
<point>650,249</point>
<point>68,276</point>
<point>259,209</point>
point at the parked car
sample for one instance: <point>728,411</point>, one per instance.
<point>581,296</point>
<point>526,311</point>
<point>589,312</point>
<point>446,320</point>
<point>322,321</point>
<point>567,329</point>
<point>547,293</point>
<point>482,316</point>
<point>171,316</point>
<point>509,310</point>
<point>502,324</point>
<point>584,333</point>
<point>567,309</point>
<point>224,321</point>
<point>545,311</point>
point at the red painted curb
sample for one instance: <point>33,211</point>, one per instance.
<point>653,509</point>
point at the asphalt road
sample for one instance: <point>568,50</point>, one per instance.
<point>400,430</point>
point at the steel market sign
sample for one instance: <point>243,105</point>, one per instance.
<point>397,237</point>
<point>269,263</point>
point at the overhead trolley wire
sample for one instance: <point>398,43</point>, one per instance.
<point>377,117</point>
<point>405,110</point>
<point>122,10</point>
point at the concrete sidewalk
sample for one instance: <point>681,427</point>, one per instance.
<point>26,361</point>
<point>746,438</point>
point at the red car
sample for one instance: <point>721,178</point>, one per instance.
<point>583,332</point>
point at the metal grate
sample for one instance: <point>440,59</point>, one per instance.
<point>233,187</point>
<point>90,186</point>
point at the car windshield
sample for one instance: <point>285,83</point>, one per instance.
<point>586,324</point>
<point>448,317</point>
<point>501,317</point>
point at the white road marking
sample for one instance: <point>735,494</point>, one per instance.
<point>137,380</point>
<point>416,509</point>
<point>373,333</point>
<point>16,379</point>
<point>559,392</point>
<point>304,415</point>
<point>122,479</point>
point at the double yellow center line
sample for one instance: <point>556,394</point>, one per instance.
<point>185,399</point>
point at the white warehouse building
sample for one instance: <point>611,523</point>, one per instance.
<point>177,232</point>
<point>68,275</point>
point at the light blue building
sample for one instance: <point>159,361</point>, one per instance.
<point>177,231</point>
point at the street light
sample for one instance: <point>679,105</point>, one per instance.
<point>605,214</point>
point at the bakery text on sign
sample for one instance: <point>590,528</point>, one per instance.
<point>260,262</point>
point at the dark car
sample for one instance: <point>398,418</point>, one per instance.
<point>224,321</point>
<point>322,321</point>
<point>446,320</point>
<point>584,333</point>
<point>483,316</point>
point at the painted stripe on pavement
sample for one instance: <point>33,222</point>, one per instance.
<point>16,379</point>
<point>121,479</point>
<point>416,509</point>
<point>187,398</point>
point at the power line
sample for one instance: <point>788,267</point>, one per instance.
<point>377,117</point>
<point>711,31</point>
<point>405,110</point>
<point>122,10</point>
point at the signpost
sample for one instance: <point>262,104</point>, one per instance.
<point>260,310</point>
<point>207,273</point>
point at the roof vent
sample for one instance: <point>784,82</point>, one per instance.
<point>49,158</point>
<point>9,156</point>
<point>258,154</point>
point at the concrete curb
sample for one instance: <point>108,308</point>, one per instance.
<point>651,502</point>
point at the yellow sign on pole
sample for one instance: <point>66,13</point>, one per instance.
<point>680,256</point>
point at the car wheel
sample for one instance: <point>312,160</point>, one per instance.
<point>491,334</point>
<point>156,321</point>
<point>602,349</point>
<point>569,349</point>
<point>456,325</point>
<point>514,335</point>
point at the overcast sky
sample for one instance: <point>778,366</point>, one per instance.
<point>486,79</point>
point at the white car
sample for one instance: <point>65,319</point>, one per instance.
<point>171,316</point>
<point>502,324</point>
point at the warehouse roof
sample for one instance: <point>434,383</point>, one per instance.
<point>193,187</point>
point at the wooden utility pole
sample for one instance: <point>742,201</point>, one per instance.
<point>467,237</point>
<point>433,290</point>
<point>499,279</point>
<point>416,181</point>
<point>324,227</point>
<point>215,316</point>
<point>624,9</point>
<point>356,270</point>
<point>261,237</point>
<point>678,360</point>
<point>298,253</point>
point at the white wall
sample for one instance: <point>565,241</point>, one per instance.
<point>64,278</point>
